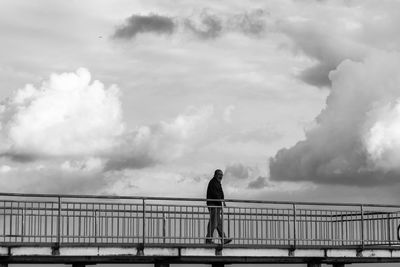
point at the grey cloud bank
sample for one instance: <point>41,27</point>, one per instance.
<point>354,139</point>
<point>204,25</point>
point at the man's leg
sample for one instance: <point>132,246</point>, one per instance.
<point>227,240</point>
<point>219,221</point>
<point>212,224</point>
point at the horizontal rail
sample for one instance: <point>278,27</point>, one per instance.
<point>111,197</point>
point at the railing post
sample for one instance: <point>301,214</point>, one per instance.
<point>164,227</point>
<point>294,227</point>
<point>59,222</point>
<point>95,226</point>
<point>222,224</point>
<point>389,232</point>
<point>144,220</point>
<point>342,230</point>
<point>23,223</point>
<point>362,226</point>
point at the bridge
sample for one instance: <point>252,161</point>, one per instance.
<point>86,230</point>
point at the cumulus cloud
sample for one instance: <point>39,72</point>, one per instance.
<point>354,139</point>
<point>152,23</point>
<point>71,118</point>
<point>68,115</point>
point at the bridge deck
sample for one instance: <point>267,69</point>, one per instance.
<point>58,228</point>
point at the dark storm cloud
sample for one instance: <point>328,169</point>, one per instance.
<point>259,183</point>
<point>141,24</point>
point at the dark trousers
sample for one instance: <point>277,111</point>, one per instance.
<point>215,222</point>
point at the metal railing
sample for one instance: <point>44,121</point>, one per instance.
<point>38,219</point>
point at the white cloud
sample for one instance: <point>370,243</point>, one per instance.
<point>81,122</point>
<point>382,139</point>
<point>68,115</point>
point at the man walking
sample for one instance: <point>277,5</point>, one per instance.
<point>214,192</point>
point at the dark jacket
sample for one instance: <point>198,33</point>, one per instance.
<point>214,191</point>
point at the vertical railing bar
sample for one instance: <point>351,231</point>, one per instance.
<point>118,221</point>
<point>17,223</point>
<point>257,236</point>
<point>180,224</point>
<point>198,226</point>
<point>37,222</point>
<point>144,220</point>
<point>95,225</point>
<point>288,227</point>
<point>193,232</point>
<point>169,224</point>
<point>362,225</point>
<point>59,222</point>
<point>222,224</point>
<point>388,231</point>
<point>4,220</point>
<point>163,226</point>
<point>306,220</point>
<point>17,233</point>
<point>23,223</point>
<point>294,226</point>
<point>106,224</point>
<point>80,222</point>
<point>45,221</point>
<point>11,215</point>
<point>85,222</point>
<point>31,218</point>
<point>73,216</point>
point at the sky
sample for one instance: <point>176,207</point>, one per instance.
<point>293,100</point>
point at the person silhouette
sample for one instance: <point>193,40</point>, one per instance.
<point>215,197</point>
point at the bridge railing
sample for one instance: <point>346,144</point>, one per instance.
<point>110,220</point>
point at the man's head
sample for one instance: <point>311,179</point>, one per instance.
<point>218,174</point>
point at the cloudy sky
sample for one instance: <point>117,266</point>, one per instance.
<point>293,100</point>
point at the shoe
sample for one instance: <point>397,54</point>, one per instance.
<point>227,241</point>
